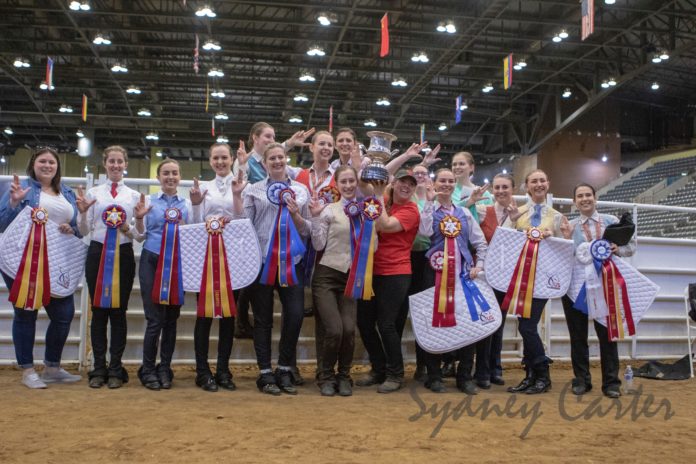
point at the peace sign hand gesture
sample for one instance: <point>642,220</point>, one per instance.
<point>239,183</point>
<point>83,204</point>
<point>17,193</point>
<point>141,210</point>
<point>242,155</point>
<point>195,194</point>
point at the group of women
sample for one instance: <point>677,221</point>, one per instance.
<point>324,206</point>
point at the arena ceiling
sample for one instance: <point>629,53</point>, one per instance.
<point>263,53</point>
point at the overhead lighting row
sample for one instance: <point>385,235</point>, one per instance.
<point>295,119</point>
<point>420,57</point>
<point>660,56</point>
<point>217,93</point>
<point>119,68</point>
<point>205,11</point>
<point>383,101</point>
<point>327,18</point>
<point>606,83</point>
<point>316,50</point>
<point>300,98</point>
<point>212,46</point>
<point>20,62</point>
<point>101,39</point>
<point>560,36</point>
<point>520,65</point>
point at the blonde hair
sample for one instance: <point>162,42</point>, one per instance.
<point>270,147</point>
<point>256,130</point>
<point>468,156</point>
<point>118,148</point>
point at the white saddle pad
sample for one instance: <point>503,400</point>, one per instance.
<point>554,263</point>
<point>444,339</point>
<point>641,290</point>
<point>241,246</point>
<point>66,253</point>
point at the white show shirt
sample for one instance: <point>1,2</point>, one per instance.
<point>92,222</point>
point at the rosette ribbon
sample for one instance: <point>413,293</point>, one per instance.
<point>521,289</point>
<point>215,298</point>
<point>359,284</point>
<point>445,266</point>
<point>605,297</point>
<point>32,284</point>
<point>167,288</point>
<point>107,292</point>
<point>285,243</point>
<point>352,210</point>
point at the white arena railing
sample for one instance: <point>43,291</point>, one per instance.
<point>671,263</point>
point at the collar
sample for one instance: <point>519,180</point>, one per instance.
<point>228,178</point>
<point>109,182</point>
<point>594,217</point>
<point>287,181</point>
<point>328,169</point>
<point>344,202</point>
<point>161,194</point>
<point>448,210</point>
<point>498,207</point>
<point>256,156</point>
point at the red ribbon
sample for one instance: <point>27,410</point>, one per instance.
<point>612,278</point>
<point>521,289</point>
<point>446,318</point>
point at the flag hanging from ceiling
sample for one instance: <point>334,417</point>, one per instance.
<point>49,73</point>
<point>458,110</point>
<point>507,72</point>
<point>422,133</point>
<point>195,56</point>
<point>207,95</point>
<point>84,107</point>
<point>212,128</point>
<point>331,119</point>
<point>384,48</point>
<point>587,18</point>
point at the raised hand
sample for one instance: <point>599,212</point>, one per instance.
<point>195,194</point>
<point>239,183</point>
<point>566,230</point>
<point>83,204</point>
<point>430,192</point>
<point>431,158</point>
<point>299,137</point>
<point>513,212</point>
<point>65,229</point>
<point>17,193</point>
<point>316,206</point>
<point>414,150</point>
<point>242,155</point>
<point>477,194</point>
<point>141,210</point>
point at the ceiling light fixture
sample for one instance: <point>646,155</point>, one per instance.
<point>442,127</point>
<point>205,11</point>
<point>65,109</point>
<point>557,38</point>
<point>605,158</point>
<point>295,119</point>
<point>217,93</point>
<point>118,67</point>
<point>101,39</point>
<point>399,82</point>
<point>609,2</point>
<point>326,19</point>
<point>144,112</point>
<point>464,106</point>
<point>612,82</point>
<point>605,84</point>
<point>79,6</point>
<point>307,77</point>
<point>158,153</point>
<point>79,133</point>
<point>383,101</point>
<point>21,63</point>
<point>450,28</point>
<point>664,56</point>
<point>488,87</point>
<point>133,90</point>
<point>420,57</point>
<point>212,45</point>
<point>370,123</point>
<point>221,116</point>
<point>656,58</point>
<point>655,86</point>
<point>8,130</point>
<point>44,86</point>
<point>566,93</point>
<point>152,135</point>
<point>300,98</point>
<point>215,72</point>
<point>316,50</point>
<point>563,34</point>
<point>441,27</point>
<point>222,139</point>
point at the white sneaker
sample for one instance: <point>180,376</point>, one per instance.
<point>58,375</point>
<point>31,379</point>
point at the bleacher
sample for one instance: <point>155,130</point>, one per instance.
<point>661,223</point>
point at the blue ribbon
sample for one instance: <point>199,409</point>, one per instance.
<point>473,296</point>
<point>581,301</point>
<point>355,227</point>
<point>363,255</point>
<point>170,237</point>
<point>109,263</point>
<point>289,237</point>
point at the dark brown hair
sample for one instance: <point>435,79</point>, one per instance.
<point>505,176</point>
<point>350,131</point>
<point>217,144</point>
<point>117,148</point>
<point>584,184</point>
<point>526,178</point>
<point>55,182</point>
<point>341,169</point>
<point>166,161</point>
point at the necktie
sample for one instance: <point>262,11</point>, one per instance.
<point>113,189</point>
<point>221,184</point>
<point>536,217</point>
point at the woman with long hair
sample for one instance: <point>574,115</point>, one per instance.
<point>42,189</point>
<point>219,198</point>
<point>106,213</point>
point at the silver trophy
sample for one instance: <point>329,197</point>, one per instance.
<point>379,152</point>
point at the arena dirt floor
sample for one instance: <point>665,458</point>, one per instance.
<point>72,423</point>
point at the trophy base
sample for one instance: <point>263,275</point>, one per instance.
<point>375,175</point>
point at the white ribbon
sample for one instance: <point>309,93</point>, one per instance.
<point>596,304</point>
